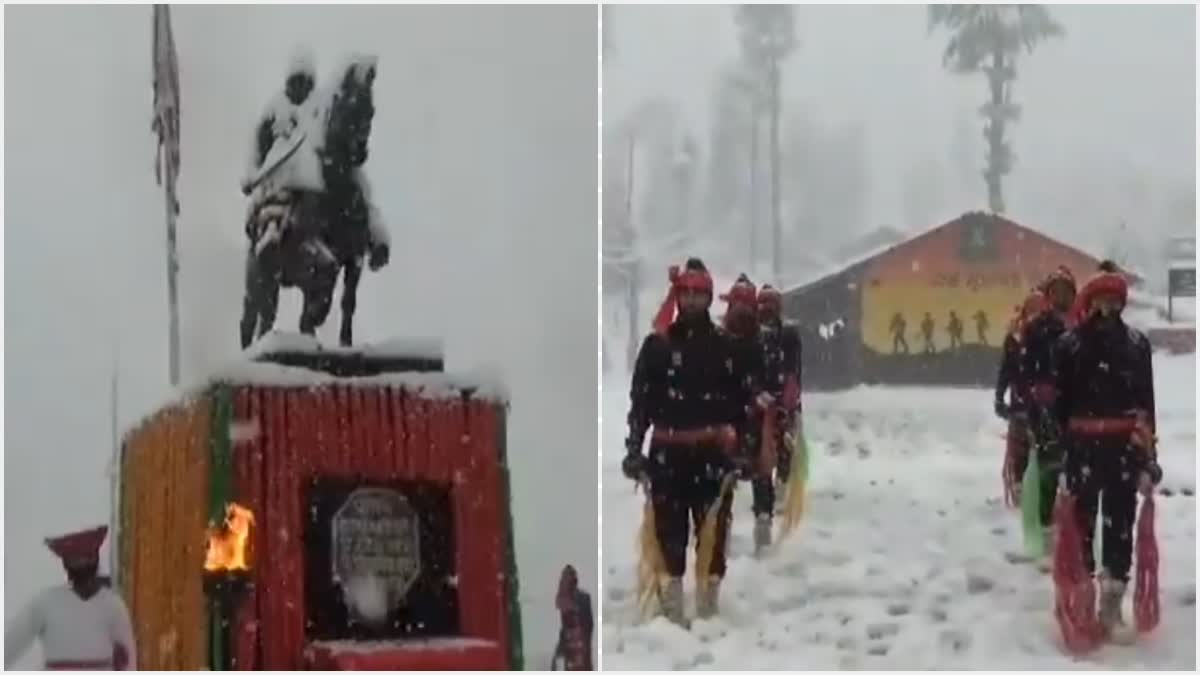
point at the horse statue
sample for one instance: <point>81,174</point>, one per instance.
<point>304,237</point>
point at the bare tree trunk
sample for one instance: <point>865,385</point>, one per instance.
<point>995,134</point>
<point>776,219</point>
<point>752,212</point>
<point>632,279</point>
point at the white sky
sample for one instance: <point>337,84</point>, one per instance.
<point>1115,98</point>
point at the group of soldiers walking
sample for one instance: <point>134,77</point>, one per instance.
<point>1081,400</point>
<point>719,403</point>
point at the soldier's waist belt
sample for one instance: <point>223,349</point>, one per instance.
<point>723,435</point>
<point>1043,393</point>
<point>1101,426</point>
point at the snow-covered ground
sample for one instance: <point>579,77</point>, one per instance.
<point>900,560</point>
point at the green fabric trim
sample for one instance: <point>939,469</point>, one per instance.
<point>1031,507</point>
<point>516,639</point>
<point>220,493</point>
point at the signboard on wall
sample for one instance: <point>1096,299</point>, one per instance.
<point>1181,282</point>
<point>978,238</point>
<point>376,535</point>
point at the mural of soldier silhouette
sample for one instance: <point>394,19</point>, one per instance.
<point>927,334</point>
<point>898,326</point>
<point>954,328</point>
<point>923,312</point>
<point>981,327</point>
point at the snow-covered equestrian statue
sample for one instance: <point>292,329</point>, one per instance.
<point>310,213</point>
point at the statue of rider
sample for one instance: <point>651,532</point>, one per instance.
<point>286,111</point>
<point>301,108</point>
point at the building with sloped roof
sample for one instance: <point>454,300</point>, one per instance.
<point>930,310</point>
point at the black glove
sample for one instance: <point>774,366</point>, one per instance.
<point>1002,410</point>
<point>634,466</point>
<point>1155,472</point>
<point>380,253</point>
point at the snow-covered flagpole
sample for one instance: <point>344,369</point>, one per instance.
<point>114,471</point>
<point>166,125</point>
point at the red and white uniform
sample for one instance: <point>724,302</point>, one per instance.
<point>76,634</point>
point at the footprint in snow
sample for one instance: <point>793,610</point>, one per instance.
<point>1188,599</point>
<point>819,638</point>
<point>880,649</point>
<point>977,584</point>
<point>878,631</point>
<point>938,614</point>
<point>955,640</point>
<point>897,609</point>
<point>786,604</point>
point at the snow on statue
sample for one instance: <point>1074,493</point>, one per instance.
<point>289,119</point>
<point>310,212</point>
<point>82,625</point>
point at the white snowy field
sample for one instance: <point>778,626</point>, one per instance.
<point>900,560</point>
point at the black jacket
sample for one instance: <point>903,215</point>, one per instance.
<point>696,375</point>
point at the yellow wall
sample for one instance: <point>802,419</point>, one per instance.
<point>164,515</point>
<point>913,300</point>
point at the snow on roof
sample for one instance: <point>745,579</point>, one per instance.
<point>830,269</point>
<point>480,383</point>
<point>413,347</point>
<point>840,266</point>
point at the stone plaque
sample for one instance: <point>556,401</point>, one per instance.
<point>377,537</point>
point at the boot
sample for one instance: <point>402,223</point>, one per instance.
<point>1049,541</point>
<point>706,598</point>
<point>762,533</point>
<point>1116,631</point>
<point>670,595</point>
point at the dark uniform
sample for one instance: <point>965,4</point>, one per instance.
<point>689,386</point>
<point>1036,371</point>
<point>1105,404</point>
<point>1011,380</point>
<point>781,355</point>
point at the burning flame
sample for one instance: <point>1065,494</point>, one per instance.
<point>227,543</point>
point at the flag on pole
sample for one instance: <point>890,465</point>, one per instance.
<point>166,98</point>
<point>166,161</point>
